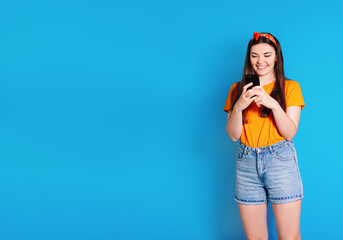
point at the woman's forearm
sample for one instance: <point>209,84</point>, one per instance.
<point>234,124</point>
<point>284,123</point>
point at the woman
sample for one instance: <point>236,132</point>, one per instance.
<point>265,118</point>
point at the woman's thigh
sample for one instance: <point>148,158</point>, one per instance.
<point>254,220</point>
<point>287,219</point>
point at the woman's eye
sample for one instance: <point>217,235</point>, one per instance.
<point>253,56</point>
<point>268,56</point>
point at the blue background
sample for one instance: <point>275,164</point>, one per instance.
<point>112,123</point>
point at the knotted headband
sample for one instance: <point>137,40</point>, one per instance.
<point>256,35</point>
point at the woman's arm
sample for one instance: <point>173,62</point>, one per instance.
<point>286,122</point>
<point>234,117</point>
<point>234,124</point>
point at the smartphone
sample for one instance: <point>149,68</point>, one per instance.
<point>255,79</point>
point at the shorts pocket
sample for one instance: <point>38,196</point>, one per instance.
<point>240,153</point>
<point>284,152</point>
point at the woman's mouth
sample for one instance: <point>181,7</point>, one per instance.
<point>262,67</point>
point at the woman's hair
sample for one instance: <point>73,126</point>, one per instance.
<point>278,92</point>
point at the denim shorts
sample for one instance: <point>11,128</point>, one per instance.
<point>268,173</point>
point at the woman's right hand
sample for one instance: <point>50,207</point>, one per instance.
<point>245,99</point>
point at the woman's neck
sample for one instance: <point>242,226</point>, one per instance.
<point>265,80</point>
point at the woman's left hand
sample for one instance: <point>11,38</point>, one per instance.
<point>263,98</point>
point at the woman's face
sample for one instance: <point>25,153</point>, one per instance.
<point>263,58</point>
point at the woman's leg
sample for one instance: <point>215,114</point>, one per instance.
<point>254,220</point>
<point>287,219</point>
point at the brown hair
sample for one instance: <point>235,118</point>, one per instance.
<point>278,92</point>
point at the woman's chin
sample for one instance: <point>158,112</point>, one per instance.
<point>263,72</point>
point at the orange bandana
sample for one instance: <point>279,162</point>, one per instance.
<point>266,35</point>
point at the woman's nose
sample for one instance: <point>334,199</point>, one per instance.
<point>259,60</point>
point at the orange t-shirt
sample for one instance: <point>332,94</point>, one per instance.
<point>261,132</point>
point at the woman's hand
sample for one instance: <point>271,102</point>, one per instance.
<point>245,99</point>
<point>262,98</point>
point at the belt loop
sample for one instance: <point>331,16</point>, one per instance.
<point>270,149</point>
<point>245,150</point>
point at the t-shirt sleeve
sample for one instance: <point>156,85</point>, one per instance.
<point>228,103</point>
<point>294,96</point>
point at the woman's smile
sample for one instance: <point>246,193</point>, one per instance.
<point>262,67</point>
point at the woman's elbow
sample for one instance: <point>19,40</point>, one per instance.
<point>232,136</point>
<point>289,137</point>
